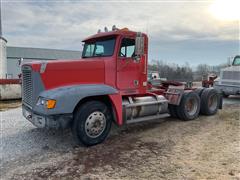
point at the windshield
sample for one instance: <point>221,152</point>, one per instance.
<point>99,48</point>
<point>236,61</point>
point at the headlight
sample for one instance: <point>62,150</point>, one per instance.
<point>41,101</point>
<point>48,103</point>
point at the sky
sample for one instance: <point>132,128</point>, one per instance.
<point>179,31</point>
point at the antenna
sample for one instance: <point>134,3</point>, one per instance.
<point>0,18</point>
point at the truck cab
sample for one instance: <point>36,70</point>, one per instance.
<point>229,80</point>
<point>107,85</point>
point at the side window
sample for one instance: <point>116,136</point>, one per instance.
<point>89,50</point>
<point>99,50</point>
<point>127,48</point>
<point>236,61</point>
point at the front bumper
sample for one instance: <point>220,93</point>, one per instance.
<point>227,89</point>
<point>60,121</point>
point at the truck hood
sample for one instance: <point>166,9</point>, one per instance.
<point>70,72</point>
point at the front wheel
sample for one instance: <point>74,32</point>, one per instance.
<point>92,123</point>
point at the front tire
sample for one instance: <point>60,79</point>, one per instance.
<point>92,123</point>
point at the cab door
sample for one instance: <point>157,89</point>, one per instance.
<point>128,70</point>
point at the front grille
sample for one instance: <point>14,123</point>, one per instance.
<point>27,85</point>
<point>230,83</point>
<point>231,75</point>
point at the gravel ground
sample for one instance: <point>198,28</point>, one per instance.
<point>207,148</point>
<point>19,137</point>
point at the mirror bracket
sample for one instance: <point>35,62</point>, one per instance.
<point>136,58</point>
<point>139,44</point>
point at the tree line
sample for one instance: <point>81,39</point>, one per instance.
<point>176,72</point>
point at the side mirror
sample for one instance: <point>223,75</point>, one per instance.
<point>229,62</point>
<point>139,44</point>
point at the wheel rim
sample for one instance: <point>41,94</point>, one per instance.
<point>191,106</point>
<point>95,124</point>
<point>213,102</point>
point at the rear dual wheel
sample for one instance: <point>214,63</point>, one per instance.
<point>210,101</point>
<point>204,101</point>
<point>189,106</point>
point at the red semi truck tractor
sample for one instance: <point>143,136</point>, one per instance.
<point>109,84</point>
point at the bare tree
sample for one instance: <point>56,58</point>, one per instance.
<point>172,71</point>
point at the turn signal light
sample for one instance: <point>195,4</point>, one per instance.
<point>51,103</point>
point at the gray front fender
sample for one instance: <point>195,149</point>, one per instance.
<point>67,97</point>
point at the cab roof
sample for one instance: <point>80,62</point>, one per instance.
<point>124,31</point>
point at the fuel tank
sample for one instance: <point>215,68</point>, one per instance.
<point>135,107</point>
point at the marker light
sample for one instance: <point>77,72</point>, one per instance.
<point>50,104</point>
<point>43,67</point>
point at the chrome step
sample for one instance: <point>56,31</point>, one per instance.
<point>147,118</point>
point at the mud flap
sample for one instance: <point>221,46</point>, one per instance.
<point>174,94</point>
<point>220,96</point>
<point>220,101</point>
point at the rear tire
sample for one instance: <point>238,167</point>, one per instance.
<point>92,123</point>
<point>199,91</point>
<point>189,107</point>
<point>210,101</point>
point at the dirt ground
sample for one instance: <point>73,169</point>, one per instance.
<point>206,148</point>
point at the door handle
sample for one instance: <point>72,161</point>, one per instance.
<point>136,82</point>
